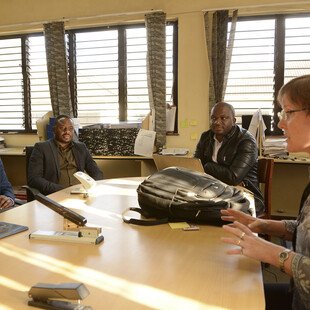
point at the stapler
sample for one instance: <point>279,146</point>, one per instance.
<point>75,229</point>
<point>48,296</point>
<point>88,183</point>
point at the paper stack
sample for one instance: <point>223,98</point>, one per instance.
<point>275,147</point>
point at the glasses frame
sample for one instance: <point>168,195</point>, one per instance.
<point>284,115</point>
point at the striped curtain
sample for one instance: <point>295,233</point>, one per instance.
<point>219,52</point>
<point>57,68</point>
<point>156,72</point>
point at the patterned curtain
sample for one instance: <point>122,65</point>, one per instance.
<point>219,55</point>
<point>57,68</point>
<point>156,72</point>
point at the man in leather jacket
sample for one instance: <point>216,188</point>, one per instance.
<point>229,152</point>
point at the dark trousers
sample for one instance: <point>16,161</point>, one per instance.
<point>278,296</point>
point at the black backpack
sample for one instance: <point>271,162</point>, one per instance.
<point>179,194</point>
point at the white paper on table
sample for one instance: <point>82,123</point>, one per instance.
<point>144,143</point>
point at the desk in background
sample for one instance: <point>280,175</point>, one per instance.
<point>135,268</point>
<point>14,161</point>
<point>290,176</point>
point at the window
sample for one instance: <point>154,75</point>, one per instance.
<point>11,84</point>
<point>297,47</point>
<point>111,73</point>
<point>97,76</point>
<point>268,52</point>
<point>110,83</point>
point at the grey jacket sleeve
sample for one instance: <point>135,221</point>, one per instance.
<point>6,188</point>
<point>36,177</point>
<point>91,167</point>
<point>301,260</point>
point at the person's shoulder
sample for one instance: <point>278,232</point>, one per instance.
<point>79,144</point>
<point>206,133</point>
<point>246,134</point>
<point>42,143</point>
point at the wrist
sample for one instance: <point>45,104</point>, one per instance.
<point>272,254</point>
<point>285,260</point>
<point>12,201</point>
<point>281,258</point>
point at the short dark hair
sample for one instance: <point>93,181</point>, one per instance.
<point>227,105</point>
<point>60,117</point>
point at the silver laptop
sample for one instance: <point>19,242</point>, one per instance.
<point>165,161</point>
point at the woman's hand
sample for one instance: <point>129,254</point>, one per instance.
<point>250,244</point>
<point>256,225</point>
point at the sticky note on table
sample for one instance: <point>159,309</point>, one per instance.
<point>179,225</point>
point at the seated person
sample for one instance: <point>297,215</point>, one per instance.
<point>52,163</point>
<point>7,198</point>
<point>229,152</point>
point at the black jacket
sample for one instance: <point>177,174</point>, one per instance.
<point>236,160</point>
<point>44,170</point>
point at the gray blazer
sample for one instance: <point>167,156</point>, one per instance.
<point>43,166</point>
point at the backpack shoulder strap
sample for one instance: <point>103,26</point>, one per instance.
<point>142,222</point>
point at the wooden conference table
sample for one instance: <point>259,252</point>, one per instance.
<point>135,267</point>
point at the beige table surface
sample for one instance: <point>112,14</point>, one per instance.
<point>135,267</point>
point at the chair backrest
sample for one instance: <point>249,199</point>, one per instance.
<point>28,151</point>
<point>265,173</point>
<point>165,161</point>
<point>246,120</point>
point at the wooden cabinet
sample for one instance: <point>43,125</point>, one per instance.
<point>289,180</point>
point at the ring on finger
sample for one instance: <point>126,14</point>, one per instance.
<point>239,241</point>
<point>242,235</point>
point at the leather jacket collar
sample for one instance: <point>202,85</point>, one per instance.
<point>230,133</point>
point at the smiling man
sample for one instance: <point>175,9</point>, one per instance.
<point>229,152</point>
<point>52,163</point>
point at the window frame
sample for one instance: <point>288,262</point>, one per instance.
<point>122,90</point>
<point>279,58</point>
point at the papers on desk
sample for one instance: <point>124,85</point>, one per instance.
<point>274,147</point>
<point>8,229</point>
<point>175,151</point>
<point>144,143</point>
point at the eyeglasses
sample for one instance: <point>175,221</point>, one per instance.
<point>285,115</point>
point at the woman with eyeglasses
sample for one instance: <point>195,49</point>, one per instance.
<point>294,98</point>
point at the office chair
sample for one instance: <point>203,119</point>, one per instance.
<point>265,173</point>
<point>246,120</point>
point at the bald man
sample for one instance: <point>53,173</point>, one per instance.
<point>52,163</point>
<point>229,152</point>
